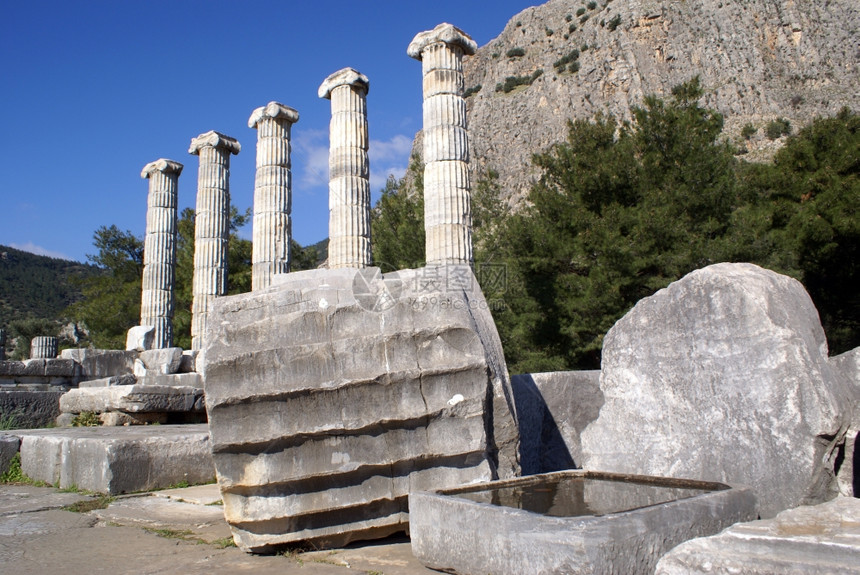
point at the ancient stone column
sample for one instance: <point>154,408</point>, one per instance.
<point>159,252</point>
<point>349,172</point>
<point>447,195</point>
<point>43,347</point>
<point>212,225</point>
<point>272,193</point>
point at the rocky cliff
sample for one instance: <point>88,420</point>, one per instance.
<point>757,59</point>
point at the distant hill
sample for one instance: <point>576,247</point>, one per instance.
<point>37,286</point>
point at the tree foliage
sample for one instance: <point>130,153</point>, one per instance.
<point>397,222</point>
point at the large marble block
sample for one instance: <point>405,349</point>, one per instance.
<point>335,393</point>
<point>724,376</point>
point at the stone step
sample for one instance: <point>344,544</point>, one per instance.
<point>117,459</point>
<point>133,399</point>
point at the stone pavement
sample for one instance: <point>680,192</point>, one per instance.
<point>164,532</point>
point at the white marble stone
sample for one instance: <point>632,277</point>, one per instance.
<point>349,171</point>
<point>272,193</point>
<point>212,225</point>
<point>447,189</point>
<point>159,254</point>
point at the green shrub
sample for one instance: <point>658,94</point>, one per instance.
<point>580,11</point>
<point>86,419</point>
<point>615,22</point>
<point>592,5</point>
<point>548,31</point>
<point>584,19</point>
<point>568,18</point>
<point>748,131</point>
<point>473,90</point>
<point>572,28</point>
<point>777,128</point>
<point>512,82</point>
<point>562,62</point>
<point>515,53</point>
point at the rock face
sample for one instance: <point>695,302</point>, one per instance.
<point>723,376</point>
<point>817,539</point>
<point>757,60</point>
<point>336,393</point>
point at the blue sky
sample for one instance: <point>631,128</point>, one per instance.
<point>92,90</point>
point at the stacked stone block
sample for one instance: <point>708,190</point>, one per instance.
<point>212,225</point>
<point>333,397</point>
<point>272,193</point>
<point>159,252</point>
<point>349,171</point>
<point>447,190</point>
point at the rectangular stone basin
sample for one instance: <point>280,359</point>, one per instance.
<point>568,522</point>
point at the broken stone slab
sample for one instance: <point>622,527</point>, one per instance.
<point>197,494</point>
<point>723,376</point>
<point>140,338</point>
<point>133,399</point>
<point>822,538</point>
<point>162,361</point>
<point>8,448</point>
<point>335,393</point>
<point>64,369</point>
<point>117,459</point>
<point>205,522</point>
<point>101,363</point>
<point>552,410</point>
<point>126,379</point>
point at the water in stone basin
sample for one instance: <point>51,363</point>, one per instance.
<point>566,496</point>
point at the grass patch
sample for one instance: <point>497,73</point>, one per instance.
<point>224,543</point>
<point>15,476</point>
<point>86,419</point>
<point>87,505</point>
<point>10,420</point>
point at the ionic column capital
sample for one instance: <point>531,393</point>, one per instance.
<point>344,77</point>
<point>162,165</point>
<point>274,110</point>
<point>445,33</point>
<point>213,139</point>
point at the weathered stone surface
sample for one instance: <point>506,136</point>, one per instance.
<point>117,459</point>
<point>162,361</point>
<point>823,538</point>
<point>140,338</point>
<point>100,363</point>
<point>848,364</point>
<point>126,379</point>
<point>8,448</point>
<point>552,411</point>
<point>723,376</point>
<point>30,408</point>
<point>39,375</point>
<point>614,530</point>
<point>132,399</point>
<point>335,395</point>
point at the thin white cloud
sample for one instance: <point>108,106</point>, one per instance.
<point>39,250</point>
<point>310,156</point>
<point>397,148</point>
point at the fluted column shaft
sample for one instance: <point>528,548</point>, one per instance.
<point>43,347</point>
<point>211,226</point>
<point>447,189</point>
<point>272,193</point>
<point>349,171</point>
<point>159,251</point>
